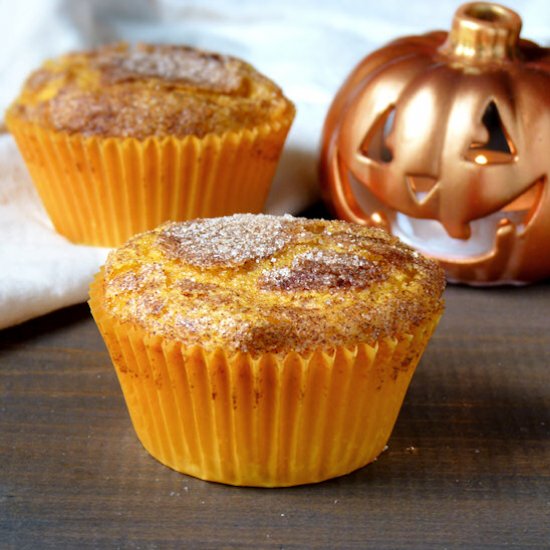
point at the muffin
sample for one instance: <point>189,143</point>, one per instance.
<point>120,139</point>
<point>263,350</point>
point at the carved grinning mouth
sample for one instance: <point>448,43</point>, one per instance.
<point>431,237</point>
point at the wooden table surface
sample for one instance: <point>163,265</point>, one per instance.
<point>468,464</point>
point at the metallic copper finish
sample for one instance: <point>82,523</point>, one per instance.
<point>454,128</point>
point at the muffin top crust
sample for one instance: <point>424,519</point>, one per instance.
<point>270,284</point>
<point>145,90</point>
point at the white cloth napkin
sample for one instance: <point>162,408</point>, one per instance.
<point>39,269</point>
<point>307,47</point>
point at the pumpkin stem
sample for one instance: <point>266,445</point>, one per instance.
<point>483,32</point>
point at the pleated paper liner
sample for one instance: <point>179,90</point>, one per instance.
<point>101,191</point>
<point>267,421</point>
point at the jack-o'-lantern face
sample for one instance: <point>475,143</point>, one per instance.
<point>450,154</point>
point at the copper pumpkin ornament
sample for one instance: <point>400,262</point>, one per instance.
<point>444,140</point>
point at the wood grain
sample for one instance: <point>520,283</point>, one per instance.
<point>468,464</point>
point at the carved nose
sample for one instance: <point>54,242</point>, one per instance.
<point>424,191</point>
<point>422,188</point>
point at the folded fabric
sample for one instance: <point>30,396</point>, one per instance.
<point>40,270</point>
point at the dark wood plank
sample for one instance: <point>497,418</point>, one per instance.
<point>468,464</point>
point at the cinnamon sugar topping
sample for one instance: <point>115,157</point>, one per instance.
<point>184,65</point>
<point>147,90</point>
<point>324,269</point>
<point>259,284</point>
<point>231,240</point>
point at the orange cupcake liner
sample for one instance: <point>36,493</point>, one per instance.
<point>267,421</point>
<point>101,191</point>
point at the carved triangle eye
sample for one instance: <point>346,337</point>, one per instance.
<point>498,148</point>
<point>375,146</point>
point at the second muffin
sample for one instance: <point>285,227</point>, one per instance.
<point>121,138</point>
